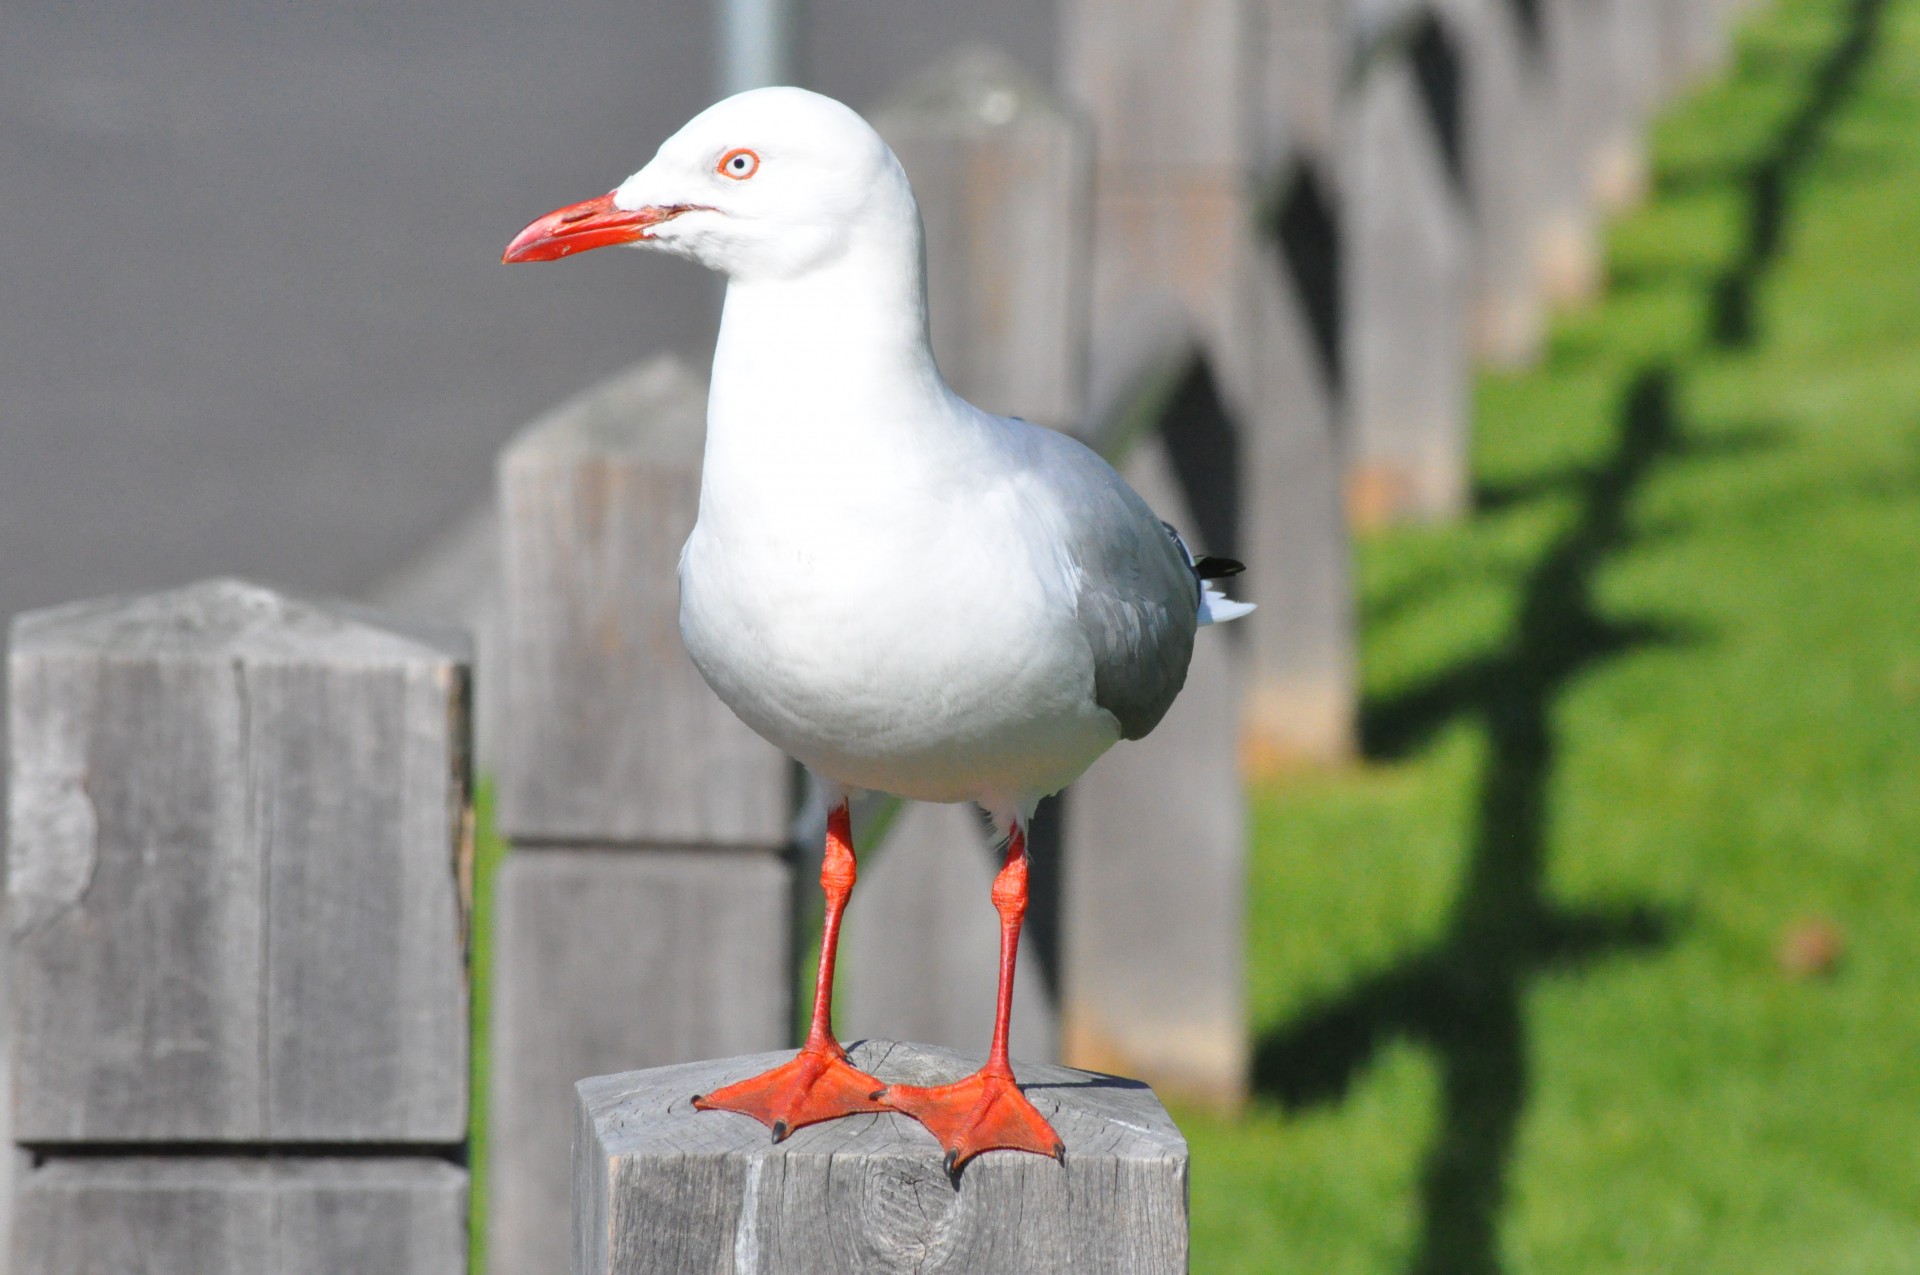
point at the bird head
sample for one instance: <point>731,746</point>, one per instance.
<point>770,183</point>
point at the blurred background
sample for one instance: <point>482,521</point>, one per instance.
<point>254,316</point>
<point>1578,915</point>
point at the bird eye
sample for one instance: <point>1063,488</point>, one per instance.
<point>738,164</point>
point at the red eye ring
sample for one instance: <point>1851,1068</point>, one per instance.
<point>738,163</point>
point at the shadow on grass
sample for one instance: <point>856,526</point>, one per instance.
<point>1463,997</point>
<point>1769,182</point>
<point>1729,443</point>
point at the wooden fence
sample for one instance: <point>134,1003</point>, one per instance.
<point>1250,251</point>
<point>239,864</point>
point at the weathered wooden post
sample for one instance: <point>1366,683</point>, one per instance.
<point>1503,137</point>
<point>1406,287</point>
<point>661,1188</point>
<point>1574,59</point>
<point>1693,41</point>
<point>1203,208</point>
<point>1214,320</point>
<point>240,843</point>
<point>1630,67</point>
<point>1154,930</point>
<point>643,916</point>
<point>1001,171</point>
<point>978,137</point>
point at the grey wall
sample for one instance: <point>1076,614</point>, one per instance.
<point>251,319</point>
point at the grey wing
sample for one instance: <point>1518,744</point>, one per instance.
<point>1137,604</point>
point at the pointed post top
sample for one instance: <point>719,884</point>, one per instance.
<point>226,618</point>
<point>657,409</point>
<point>977,89</point>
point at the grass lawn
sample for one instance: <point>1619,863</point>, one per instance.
<point>1652,712</point>
<point>1647,716</point>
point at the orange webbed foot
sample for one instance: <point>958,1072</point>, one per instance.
<point>816,1084</point>
<point>984,1112</point>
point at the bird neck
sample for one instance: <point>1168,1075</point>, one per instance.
<point>842,347</point>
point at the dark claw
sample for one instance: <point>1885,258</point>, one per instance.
<point>1060,1152</point>
<point>878,1094</point>
<point>780,1131</point>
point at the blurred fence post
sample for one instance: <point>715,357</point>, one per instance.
<point>1212,327</point>
<point>1202,211</point>
<point>1503,136</point>
<point>1694,41</point>
<point>1567,248</point>
<point>1154,925</point>
<point>643,914</point>
<point>1000,170</point>
<point>1618,172</point>
<point>240,847</point>
<point>1406,288</point>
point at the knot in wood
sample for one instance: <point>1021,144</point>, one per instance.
<point>912,1215</point>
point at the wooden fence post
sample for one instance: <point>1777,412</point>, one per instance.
<point>1503,135</point>
<point>1154,931</point>
<point>1618,173</point>
<point>661,1188</point>
<point>1001,171</point>
<point>1694,41</point>
<point>1213,226</point>
<point>1201,210</point>
<point>643,916</point>
<point>1574,58</point>
<point>240,846</point>
<point>1405,402</point>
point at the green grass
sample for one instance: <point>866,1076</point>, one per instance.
<point>1516,981</point>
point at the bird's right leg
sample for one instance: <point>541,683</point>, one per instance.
<point>818,1083</point>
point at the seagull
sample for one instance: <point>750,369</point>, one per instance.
<point>906,593</point>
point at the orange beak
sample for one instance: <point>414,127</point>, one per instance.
<point>580,227</point>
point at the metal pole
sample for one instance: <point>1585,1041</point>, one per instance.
<point>756,44</point>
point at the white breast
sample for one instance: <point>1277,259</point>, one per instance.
<point>896,626</point>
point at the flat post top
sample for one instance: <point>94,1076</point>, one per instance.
<point>660,1186</point>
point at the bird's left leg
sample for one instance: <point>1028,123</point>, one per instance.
<point>818,1083</point>
<point>986,1111</point>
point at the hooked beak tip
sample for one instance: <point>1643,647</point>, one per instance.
<point>594,223</point>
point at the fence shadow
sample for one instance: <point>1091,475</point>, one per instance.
<point>1769,180</point>
<point>1462,998</point>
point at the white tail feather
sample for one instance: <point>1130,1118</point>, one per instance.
<point>1217,608</point>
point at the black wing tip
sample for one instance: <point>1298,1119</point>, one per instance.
<point>1212,568</point>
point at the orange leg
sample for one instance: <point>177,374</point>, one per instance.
<point>818,1083</point>
<point>986,1111</point>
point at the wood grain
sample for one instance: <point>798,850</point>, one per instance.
<point>609,959</point>
<point>209,1216</point>
<point>234,813</point>
<point>1406,402</point>
<point>1003,174</point>
<point>1153,932</point>
<point>1183,186</point>
<point>661,1187</point>
<point>1503,134</point>
<point>613,736</point>
<point>920,954</point>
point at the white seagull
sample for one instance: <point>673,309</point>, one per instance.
<point>908,594</point>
